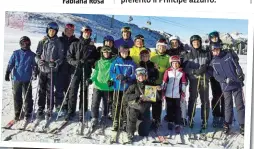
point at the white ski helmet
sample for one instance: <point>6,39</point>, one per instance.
<point>140,70</point>
<point>174,37</point>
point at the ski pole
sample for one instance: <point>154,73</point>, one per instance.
<point>219,98</point>
<point>194,107</point>
<point>65,96</point>
<point>117,100</point>
<point>120,113</point>
<point>22,109</point>
<point>83,83</point>
<point>51,91</point>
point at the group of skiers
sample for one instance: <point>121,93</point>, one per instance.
<point>119,72</point>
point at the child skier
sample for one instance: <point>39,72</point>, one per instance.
<point>23,65</point>
<point>99,77</point>
<point>161,61</point>
<point>138,105</point>
<point>230,75</point>
<point>174,84</point>
<point>145,62</point>
<point>122,72</point>
<point>49,56</point>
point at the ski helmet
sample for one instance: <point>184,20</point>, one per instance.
<point>70,26</point>
<point>215,45</point>
<point>108,38</point>
<point>106,48</point>
<point>174,37</point>
<point>162,41</point>
<point>126,29</point>
<point>196,37</point>
<point>174,58</point>
<point>24,42</point>
<point>140,70</point>
<point>52,25</point>
<point>86,28</point>
<point>139,36</point>
<point>214,34</point>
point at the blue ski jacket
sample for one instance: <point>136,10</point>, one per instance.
<point>121,41</point>
<point>22,62</point>
<point>125,67</point>
<point>224,66</point>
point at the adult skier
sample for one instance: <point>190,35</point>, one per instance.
<point>230,75</point>
<point>49,56</point>
<point>125,39</point>
<point>197,69</point>
<point>139,45</point>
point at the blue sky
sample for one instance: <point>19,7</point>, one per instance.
<point>186,27</point>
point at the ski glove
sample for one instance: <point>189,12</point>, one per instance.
<point>52,64</point>
<point>120,77</point>
<point>201,70</point>
<point>7,76</point>
<point>229,80</point>
<point>110,83</point>
<point>41,63</point>
<point>88,82</point>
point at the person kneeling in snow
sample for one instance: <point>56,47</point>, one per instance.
<point>174,84</point>
<point>230,75</point>
<point>138,105</point>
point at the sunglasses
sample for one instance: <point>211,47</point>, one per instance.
<point>70,26</point>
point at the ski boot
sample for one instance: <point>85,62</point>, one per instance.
<point>226,128</point>
<point>216,121</point>
<point>242,129</point>
<point>129,139</point>
<point>177,129</point>
<point>171,125</point>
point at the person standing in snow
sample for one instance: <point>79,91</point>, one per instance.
<point>230,76</point>
<point>122,73</point>
<point>138,105</point>
<point>126,38</point>
<point>107,41</point>
<point>81,57</point>
<point>22,63</point>
<point>197,69</point>
<point>174,85</point>
<point>49,56</point>
<point>161,61</point>
<point>138,46</point>
<point>100,77</point>
<point>63,75</point>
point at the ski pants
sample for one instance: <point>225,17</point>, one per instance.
<point>217,93</point>
<point>174,110</point>
<point>44,91</point>
<point>77,81</point>
<point>157,107</point>
<point>240,108</point>
<point>137,120</point>
<point>203,91</point>
<point>116,107</point>
<point>62,83</point>
<point>96,100</point>
<point>20,88</point>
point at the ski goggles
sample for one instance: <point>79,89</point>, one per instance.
<point>53,26</point>
<point>105,49</point>
<point>86,30</point>
<point>70,26</point>
<point>126,29</point>
<point>139,37</point>
<point>140,72</point>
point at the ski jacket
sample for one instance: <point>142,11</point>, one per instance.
<point>67,41</point>
<point>121,41</point>
<point>134,53</point>
<point>193,60</point>
<point>153,73</point>
<point>49,49</point>
<point>23,64</point>
<point>82,50</point>
<point>163,63</point>
<point>175,82</point>
<point>101,74</point>
<point>225,66</point>
<point>124,67</point>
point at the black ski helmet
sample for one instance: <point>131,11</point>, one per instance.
<point>86,28</point>
<point>195,37</point>
<point>139,36</point>
<point>108,38</point>
<point>24,42</point>
<point>213,34</point>
<point>52,25</point>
